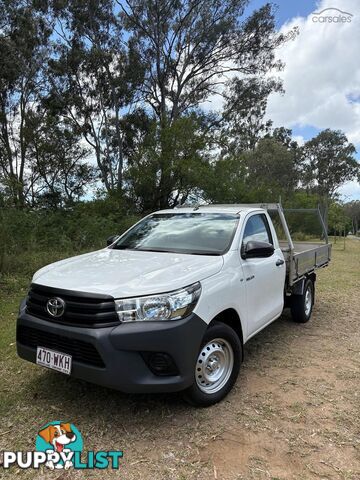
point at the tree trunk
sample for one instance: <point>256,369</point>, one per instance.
<point>120,149</point>
<point>324,211</point>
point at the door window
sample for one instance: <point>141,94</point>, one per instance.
<point>257,229</point>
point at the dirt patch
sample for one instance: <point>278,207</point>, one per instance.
<point>300,418</point>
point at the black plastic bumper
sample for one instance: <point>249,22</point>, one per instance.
<point>121,349</point>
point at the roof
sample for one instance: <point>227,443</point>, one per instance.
<point>213,208</point>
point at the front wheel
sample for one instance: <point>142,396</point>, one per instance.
<point>302,305</point>
<point>217,366</point>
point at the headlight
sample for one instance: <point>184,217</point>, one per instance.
<point>166,306</point>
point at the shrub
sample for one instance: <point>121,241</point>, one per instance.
<point>31,239</point>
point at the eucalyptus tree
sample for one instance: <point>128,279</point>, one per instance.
<point>60,174</point>
<point>327,163</point>
<point>352,210</point>
<point>25,32</point>
<point>244,121</point>
<point>190,49</point>
<point>93,80</point>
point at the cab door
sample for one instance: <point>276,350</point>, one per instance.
<point>264,277</point>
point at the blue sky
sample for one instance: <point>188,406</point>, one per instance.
<point>321,77</point>
<point>287,9</point>
<point>285,12</point>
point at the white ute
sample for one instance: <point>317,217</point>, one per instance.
<point>168,305</point>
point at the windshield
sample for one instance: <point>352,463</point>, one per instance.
<point>192,233</point>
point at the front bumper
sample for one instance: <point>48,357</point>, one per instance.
<point>123,350</point>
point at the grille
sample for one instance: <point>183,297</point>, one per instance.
<point>88,310</point>
<point>80,351</point>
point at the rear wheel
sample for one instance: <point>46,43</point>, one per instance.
<point>217,366</point>
<point>302,305</point>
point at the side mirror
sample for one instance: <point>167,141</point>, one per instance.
<point>255,249</point>
<point>112,239</point>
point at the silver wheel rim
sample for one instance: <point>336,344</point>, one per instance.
<point>214,365</point>
<point>308,301</point>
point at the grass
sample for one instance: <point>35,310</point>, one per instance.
<point>293,414</point>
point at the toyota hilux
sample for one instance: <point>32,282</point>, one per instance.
<point>169,305</point>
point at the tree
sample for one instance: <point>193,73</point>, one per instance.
<point>352,210</point>
<point>24,45</point>
<point>327,163</point>
<point>338,219</point>
<point>271,169</point>
<point>263,174</point>
<point>93,80</point>
<point>59,173</point>
<point>226,181</point>
<point>188,47</point>
<point>182,147</point>
<point>244,112</point>
<point>284,136</point>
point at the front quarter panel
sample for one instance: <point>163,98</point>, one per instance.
<point>223,291</point>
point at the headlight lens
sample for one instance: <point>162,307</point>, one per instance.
<point>167,306</point>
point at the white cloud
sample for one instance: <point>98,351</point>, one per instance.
<point>299,139</point>
<point>321,77</point>
<point>322,73</point>
<point>350,191</point>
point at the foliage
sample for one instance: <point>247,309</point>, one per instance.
<point>352,210</point>
<point>328,162</point>
<point>338,219</point>
<point>105,100</point>
<point>24,46</point>
<point>244,112</point>
<point>92,81</point>
<point>30,239</point>
<point>93,78</point>
<point>177,152</point>
<point>187,47</point>
<point>262,175</point>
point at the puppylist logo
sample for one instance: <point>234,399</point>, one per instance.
<point>59,445</point>
<point>332,15</point>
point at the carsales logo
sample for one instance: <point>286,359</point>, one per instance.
<point>332,15</point>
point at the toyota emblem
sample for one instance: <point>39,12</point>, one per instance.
<point>55,307</point>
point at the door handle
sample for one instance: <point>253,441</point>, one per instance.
<point>279,262</point>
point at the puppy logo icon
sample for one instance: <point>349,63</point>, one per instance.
<point>59,445</point>
<point>59,441</point>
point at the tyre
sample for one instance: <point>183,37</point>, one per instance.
<point>216,367</point>
<point>302,305</point>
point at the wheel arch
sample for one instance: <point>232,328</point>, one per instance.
<point>231,318</point>
<point>298,288</point>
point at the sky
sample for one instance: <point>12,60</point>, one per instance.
<point>322,73</point>
<point>321,77</point>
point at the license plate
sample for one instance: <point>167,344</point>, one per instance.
<point>55,360</point>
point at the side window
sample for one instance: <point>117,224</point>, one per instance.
<point>257,228</point>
